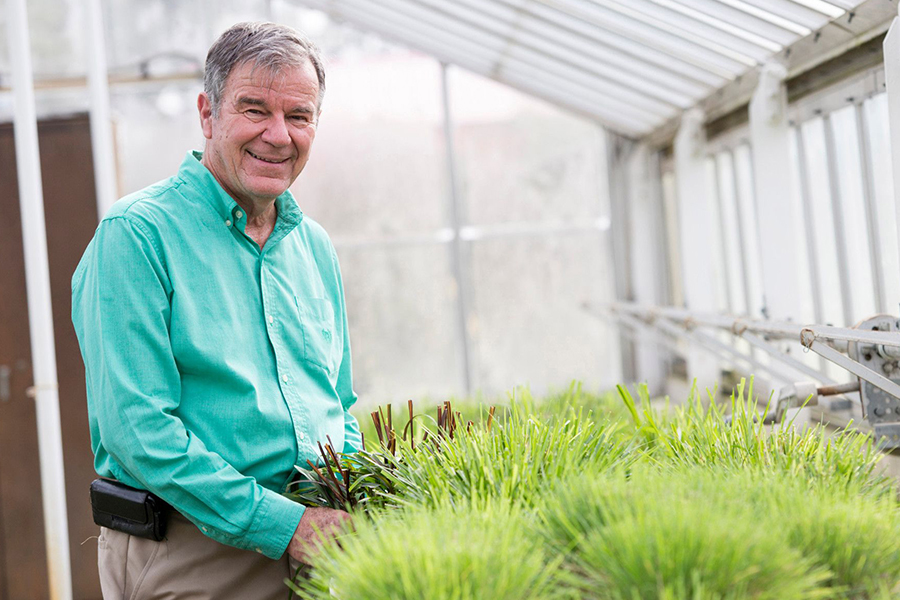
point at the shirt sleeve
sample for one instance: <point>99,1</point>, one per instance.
<point>352,436</point>
<point>121,310</point>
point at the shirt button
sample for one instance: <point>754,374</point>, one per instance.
<point>259,550</point>
<point>284,378</point>
<point>227,222</point>
<point>271,319</point>
<point>204,529</point>
<point>302,436</point>
<point>238,214</point>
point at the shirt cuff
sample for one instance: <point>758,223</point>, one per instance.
<point>274,525</point>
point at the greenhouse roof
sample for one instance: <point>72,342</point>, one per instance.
<point>632,65</point>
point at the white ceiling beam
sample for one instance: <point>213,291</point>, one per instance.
<point>610,41</point>
<point>797,13</point>
<point>396,13</point>
<point>615,115</point>
<point>717,40</point>
<point>750,18</point>
<point>681,44</point>
<point>584,49</point>
<point>528,46</point>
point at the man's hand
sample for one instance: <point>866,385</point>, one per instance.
<point>316,526</point>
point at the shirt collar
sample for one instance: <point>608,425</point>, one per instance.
<point>205,186</point>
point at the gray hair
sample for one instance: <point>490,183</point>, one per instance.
<point>267,45</point>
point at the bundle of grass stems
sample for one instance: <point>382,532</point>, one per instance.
<point>604,496</point>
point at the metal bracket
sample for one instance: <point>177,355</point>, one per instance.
<point>873,363</point>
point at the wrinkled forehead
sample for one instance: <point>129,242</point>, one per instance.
<point>263,74</point>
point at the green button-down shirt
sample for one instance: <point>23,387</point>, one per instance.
<point>213,367</point>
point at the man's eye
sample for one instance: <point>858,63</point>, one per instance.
<point>254,111</point>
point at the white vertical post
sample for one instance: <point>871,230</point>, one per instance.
<point>644,239</point>
<point>102,146</point>
<point>697,228</point>
<point>40,315</point>
<point>462,296</point>
<point>892,81</point>
<point>779,227</point>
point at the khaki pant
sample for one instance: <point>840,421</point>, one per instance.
<point>187,565</point>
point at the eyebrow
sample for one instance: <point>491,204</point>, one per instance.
<point>251,101</point>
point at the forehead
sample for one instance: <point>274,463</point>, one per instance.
<point>262,82</point>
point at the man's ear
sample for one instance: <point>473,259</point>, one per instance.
<point>204,107</point>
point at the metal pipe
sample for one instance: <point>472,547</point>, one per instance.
<point>795,364</point>
<point>785,330</point>
<point>838,388</point>
<point>457,250</point>
<point>880,381</point>
<point>40,314</point>
<point>102,146</point>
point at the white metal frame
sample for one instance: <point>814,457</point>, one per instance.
<point>40,314</point>
<point>770,148</point>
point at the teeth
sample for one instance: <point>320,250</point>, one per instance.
<point>274,162</point>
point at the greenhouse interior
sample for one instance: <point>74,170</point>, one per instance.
<point>621,277</point>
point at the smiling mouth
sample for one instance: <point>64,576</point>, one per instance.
<point>271,161</point>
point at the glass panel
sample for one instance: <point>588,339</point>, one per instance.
<point>823,220</point>
<point>806,302</point>
<point>876,116</point>
<point>521,160</point>
<point>853,212</point>
<point>673,238</point>
<point>530,312</point>
<point>154,127</point>
<point>379,164</point>
<point>717,240</point>
<point>731,232</point>
<point>405,345</point>
<point>743,169</point>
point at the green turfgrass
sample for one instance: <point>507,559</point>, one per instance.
<point>601,496</point>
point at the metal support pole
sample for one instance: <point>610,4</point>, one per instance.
<point>892,83</point>
<point>457,257</point>
<point>40,314</point>
<point>102,147</point>
<point>840,235</point>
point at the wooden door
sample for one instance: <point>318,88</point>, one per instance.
<point>71,217</point>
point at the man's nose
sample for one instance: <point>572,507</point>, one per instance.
<point>276,132</point>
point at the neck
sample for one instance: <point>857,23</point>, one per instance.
<point>261,213</point>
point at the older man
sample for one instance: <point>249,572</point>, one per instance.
<point>210,314</point>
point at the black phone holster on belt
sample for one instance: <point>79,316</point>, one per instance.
<point>129,510</point>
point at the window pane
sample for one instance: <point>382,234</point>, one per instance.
<point>813,139</point>
<point>522,160</point>
<point>876,115</point>
<point>530,322</point>
<point>717,240</point>
<point>403,322</point>
<point>378,167</point>
<point>806,302</point>
<point>673,238</point>
<point>743,168</point>
<point>853,212</point>
<point>732,233</point>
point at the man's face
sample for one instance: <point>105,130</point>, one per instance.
<point>260,141</point>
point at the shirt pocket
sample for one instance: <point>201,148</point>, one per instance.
<point>320,342</point>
